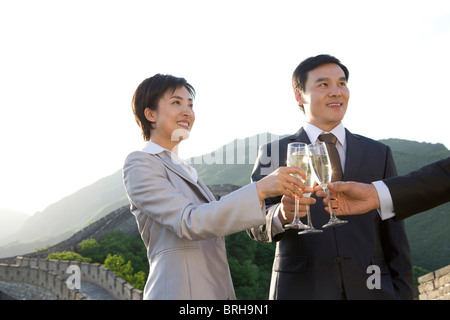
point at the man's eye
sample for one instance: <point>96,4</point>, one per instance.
<point>323,85</point>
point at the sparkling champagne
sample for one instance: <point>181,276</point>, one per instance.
<point>302,161</point>
<point>322,168</point>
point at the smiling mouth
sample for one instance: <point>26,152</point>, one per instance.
<point>183,124</point>
<point>334,104</point>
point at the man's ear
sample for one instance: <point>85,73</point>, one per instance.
<point>298,97</point>
<point>150,115</point>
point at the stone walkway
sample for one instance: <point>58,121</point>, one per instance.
<point>94,292</point>
<point>24,291</point>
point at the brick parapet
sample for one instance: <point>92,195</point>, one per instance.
<point>435,285</point>
<point>52,275</point>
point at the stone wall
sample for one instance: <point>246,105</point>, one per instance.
<point>435,285</point>
<point>51,275</point>
<point>41,279</point>
<point>33,283</point>
<point>119,219</point>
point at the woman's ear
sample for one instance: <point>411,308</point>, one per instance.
<point>150,115</point>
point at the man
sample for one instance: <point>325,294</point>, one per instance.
<point>398,197</point>
<point>333,264</point>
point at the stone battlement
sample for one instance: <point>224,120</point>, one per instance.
<point>52,275</point>
<point>435,285</point>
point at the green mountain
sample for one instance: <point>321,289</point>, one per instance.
<point>11,221</point>
<point>429,231</point>
<point>62,219</point>
<point>232,163</point>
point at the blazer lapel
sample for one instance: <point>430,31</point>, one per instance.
<point>300,136</point>
<point>176,168</point>
<point>205,190</point>
<point>356,149</point>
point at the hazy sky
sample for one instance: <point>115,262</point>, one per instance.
<point>68,70</point>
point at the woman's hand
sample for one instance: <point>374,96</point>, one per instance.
<point>281,183</point>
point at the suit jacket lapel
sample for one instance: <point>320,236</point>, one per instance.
<point>176,168</point>
<point>300,136</point>
<point>205,190</point>
<point>356,149</point>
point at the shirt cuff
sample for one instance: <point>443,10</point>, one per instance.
<point>386,209</point>
<point>277,226</point>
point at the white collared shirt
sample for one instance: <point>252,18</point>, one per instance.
<point>339,131</point>
<point>153,148</point>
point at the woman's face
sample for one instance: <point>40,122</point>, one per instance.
<point>173,119</point>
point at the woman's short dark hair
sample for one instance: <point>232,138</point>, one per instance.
<point>300,74</point>
<point>148,94</point>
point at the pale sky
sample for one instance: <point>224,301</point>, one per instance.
<point>68,70</point>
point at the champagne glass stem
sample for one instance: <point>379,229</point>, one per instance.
<point>296,223</point>
<point>327,192</point>
<point>308,216</point>
<point>309,227</point>
<point>334,221</point>
<point>297,209</point>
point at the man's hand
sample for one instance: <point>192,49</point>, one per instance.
<point>287,208</point>
<point>350,198</point>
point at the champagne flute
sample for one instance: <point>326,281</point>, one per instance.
<point>296,152</point>
<point>309,182</point>
<point>322,169</point>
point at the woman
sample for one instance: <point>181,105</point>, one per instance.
<point>180,222</point>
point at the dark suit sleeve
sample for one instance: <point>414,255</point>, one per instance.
<point>264,165</point>
<point>396,247</point>
<point>420,190</point>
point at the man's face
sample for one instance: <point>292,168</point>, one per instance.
<point>326,95</point>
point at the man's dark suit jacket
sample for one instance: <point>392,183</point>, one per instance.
<point>420,190</point>
<point>334,264</point>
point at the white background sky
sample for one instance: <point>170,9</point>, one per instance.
<point>68,70</point>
